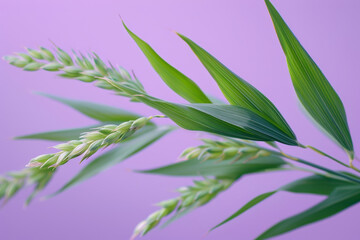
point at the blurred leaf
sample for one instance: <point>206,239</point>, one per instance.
<point>314,184</point>
<point>96,111</point>
<point>238,91</point>
<point>59,135</point>
<point>312,88</point>
<point>177,81</point>
<point>339,200</point>
<point>216,168</point>
<point>117,155</point>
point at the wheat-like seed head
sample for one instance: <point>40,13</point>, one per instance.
<point>222,150</point>
<point>190,197</point>
<point>86,69</point>
<point>14,181</point>
<point>89,143</point>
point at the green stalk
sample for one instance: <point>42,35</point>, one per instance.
<point>331,172</point>
<point>351,166</point>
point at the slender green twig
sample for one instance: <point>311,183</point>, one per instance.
<point>299,160</point>
<point>332,158</point>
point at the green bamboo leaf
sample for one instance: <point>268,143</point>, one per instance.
<point>102,113</point>
<point>226,168</point>
<point>59,135</point>
<point>314,184</point>
<point>226,120</point>
<point>238,91</point>
<point>339,200</point>
<point>312,88</point>
<point>246,207</point>
<point>117,155</point>
<point>176,80</point>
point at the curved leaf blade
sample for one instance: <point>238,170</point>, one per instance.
<point>312,88</point>
<point>226,168</point>
<point>116,155</point>
<point>237,90</point>
<point>314,184</point>
<point>59,135</point>
<point>338,201</point>
<point>100,112</point>
<point>246,207</point>
<point>176,80</point>
<point>226,120</point>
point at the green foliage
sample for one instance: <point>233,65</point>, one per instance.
<point>250,117</point>
<point>315,184</point>
<point>312,88</point>
<point>117,155</point>
<point>226,120</point>
<point>59,135</point>
<point>177,81</point>
<point>95,111</point>
<point>223,159</point>
<point>340,199</point>
<point>238,91</point>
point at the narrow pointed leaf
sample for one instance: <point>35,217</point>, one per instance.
<point>117,155</point>
<point>246,207</point>
<point>59,135</point>
<point>226,120</point>
<point>338,201</point>
<point>315,184</point>
<point>226,168</point>
<point>312,88</point>
<point>102,113</point>
<point>238,91</point>
<point>177,81</point>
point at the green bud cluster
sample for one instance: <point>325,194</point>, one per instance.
<point>89,143</point>
<point>80,67</point>
<point>14,181</point>
<point>190,197</point>
<point>223,150</point>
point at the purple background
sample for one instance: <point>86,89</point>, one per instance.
<point>241,35</point>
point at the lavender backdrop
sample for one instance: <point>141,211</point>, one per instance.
<point>241,35</point>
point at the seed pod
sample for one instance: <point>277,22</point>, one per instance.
<point>51,161</point>
<point>86,79</point>
<point>19,63</point>
<point>92,149</point>
<point>33,66</point>
<point>139,123</point>
<point>64,57</point>
<point>78,150</point>
<point>112,138</point>
<point>68,147</point>
<point>27,58</point>
<point>72,70</point>
<point>87,63</point>
<point>169,204</point>
<point>53,66</point>
<point>47,55</point>
<point>92,136</point>
<point>229,153</point>
<point>35,54</point>
<point>107,129</point>
<point>92,73</point>
<point>42,158</point>
<point>100,65</point>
